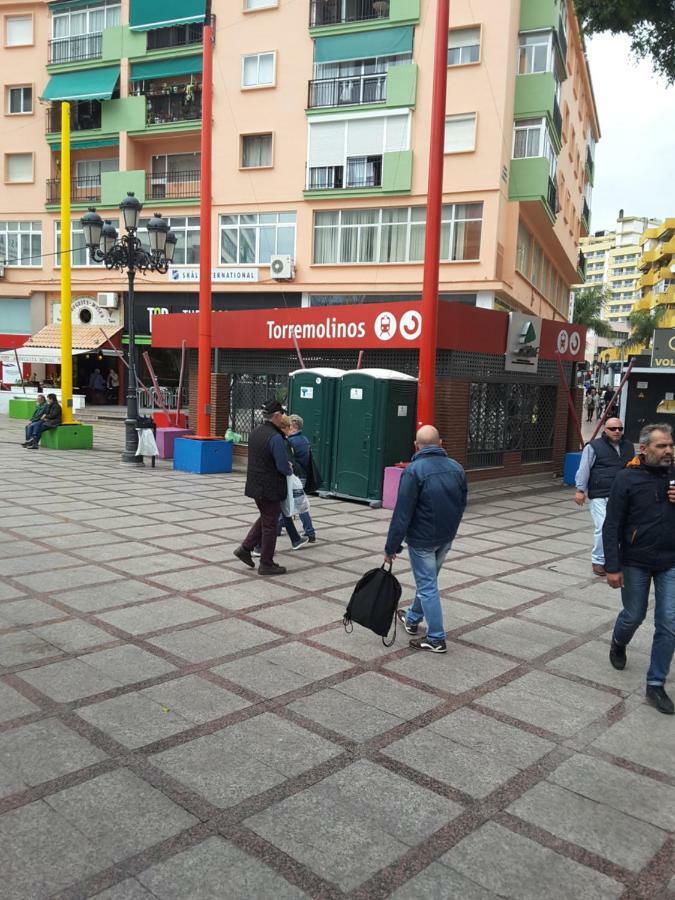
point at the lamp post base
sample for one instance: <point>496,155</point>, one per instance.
<point>131,438</point>
<point>131,458</point>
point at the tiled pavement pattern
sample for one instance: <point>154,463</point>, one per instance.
<point>175,727</point>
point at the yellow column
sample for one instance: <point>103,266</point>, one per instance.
<point>66,324</point>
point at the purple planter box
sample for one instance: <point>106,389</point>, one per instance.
<point>392,476</point>
<point>166,437</point>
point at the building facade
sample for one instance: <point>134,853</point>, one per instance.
<point>657,268</point>
<point>321,118</point>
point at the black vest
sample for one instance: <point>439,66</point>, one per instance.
<point>263,481</point>
<point>607,463</point>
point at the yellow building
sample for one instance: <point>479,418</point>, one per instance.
<point>657,267</point>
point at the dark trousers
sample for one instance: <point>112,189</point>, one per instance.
<point>34,431</point>
<point>263,534</point>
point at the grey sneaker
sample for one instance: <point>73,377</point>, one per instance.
<point>300,543</point>
<point>401,616</point>
<point>426,643</point>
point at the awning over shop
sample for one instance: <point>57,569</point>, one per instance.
<point>91,84</point>
<point>364,44</point>
<point>45,346</point>
<point>45,355</point>
<point>166,68</point>
<point>147,15</point>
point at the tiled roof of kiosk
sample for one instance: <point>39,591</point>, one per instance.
<point>85,337</point>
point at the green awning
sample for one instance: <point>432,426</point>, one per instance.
<point>166,68</point>
<point>88,145</point>
<point>89,84</point>
<point>147,15</point>
<point>69,6</point>
<point>364,44</point>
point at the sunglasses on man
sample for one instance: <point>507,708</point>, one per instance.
<point>613,428</point>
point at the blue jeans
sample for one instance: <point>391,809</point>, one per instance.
<point>598,509</point>
<point>288,523</point>
<point>35,429</point>
<point>306,518</point>
<point>635,596</point>
<point>426,564</point>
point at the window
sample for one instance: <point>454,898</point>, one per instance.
<point>258,70</point>
<point>19,100</point>
<point>531,138</point>
<point>256,151</point>
<point>534,265</point>
<point>460,133</point>
<point>535,52</point>
<point>395,234</point>
<point>186,229</point>
<point>252,238</point>
<point>260,4</point>
<point>463,46</point>
<point>175,175</point>
<point>76,34</point>
<point>18,168</point>
<point>79,255</point>
<point>18,31</point>
<point>89,171</point>
<point>21,243</point>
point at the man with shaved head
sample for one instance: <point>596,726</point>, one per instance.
<point>601,462</point>
<point>430,505</point>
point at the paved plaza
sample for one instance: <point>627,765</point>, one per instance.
<point>173,726</point>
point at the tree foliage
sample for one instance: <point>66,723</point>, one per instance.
<point>642,324</point>
<point>589,305</point>
<point>650,24</point>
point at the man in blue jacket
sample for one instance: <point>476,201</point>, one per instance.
<point>430,505</point>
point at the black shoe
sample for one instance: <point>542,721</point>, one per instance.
<point>27,443</point>
<point>656,695</point>
<point>400,615</point>
<point>300,543</point>
<point>33,446</point>
<point>617,655</point>
<point>245,556</point>
<point>311,538</point>
<point>426,643</point>
<point>274,569</point>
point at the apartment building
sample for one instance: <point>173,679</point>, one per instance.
<point>321,119</point>
<point>657,267</point>
<point>611,262</point>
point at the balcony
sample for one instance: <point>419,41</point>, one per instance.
<point>176,36</point>
<point>173,185</point>
<point>75,49</point>
<point>85,115</point>
<point>552,197</point>
<point>173,103</point>
<point>581,266</point>
<point>85,189</point>
<point>360,172</point>
<point>556,119</point>
<point>335,12</point>
<point>590,163</point>
<point>354,91</point>
<point>586,215</point>
<point>562,40</point>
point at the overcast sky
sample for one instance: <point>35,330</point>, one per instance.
<point>635,159</point>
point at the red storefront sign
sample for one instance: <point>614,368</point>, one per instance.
<point>395,326</point>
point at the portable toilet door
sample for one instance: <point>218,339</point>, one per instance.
<point>313,395</point>
<point>375,424</point>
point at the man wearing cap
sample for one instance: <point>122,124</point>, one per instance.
<point>268,468</point>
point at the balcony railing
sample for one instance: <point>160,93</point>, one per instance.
<point>83,189</point>
<point>332,12</point>
<point>581,265</point>
<point>557,118</point>
<point>347,91</point>
<point>177,36</point>
<point>173,185</point>
<point>586,214</point>
<point>552,196</point>
<point>590,162</point>
<point>354,175</point>
<point>84,116</point>
<point>76,49</point>
<point>178,103</point>
<point>562,40</point>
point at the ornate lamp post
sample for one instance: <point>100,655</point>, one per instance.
<point>127,253</point>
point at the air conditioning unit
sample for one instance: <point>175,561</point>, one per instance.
<point>281,267</point>
<point>107,300</point>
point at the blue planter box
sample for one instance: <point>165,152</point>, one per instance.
<point>571,466</point>
<point>202,457</point>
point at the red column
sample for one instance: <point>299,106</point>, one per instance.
<point>205,304</point>
<point>429,337</point>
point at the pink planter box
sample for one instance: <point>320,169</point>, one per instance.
<point>392,476</point>
<point>165,440</point>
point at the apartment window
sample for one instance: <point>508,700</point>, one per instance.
<point>463,46</point>
<point>395,235</point>
<point>186,229</point>
<point>527,138</point>
<point>460,133</point>
<point>19,101</point>
<point>252,238</point>
<point>535,52</point>
<point>18,168</point>
<point>79,254</point>
<point>524,251</point>
<point>18,31</point>
<point>258,70</point>
<point>76,34</point>
<point>260,4</point>
<point>21,243</point>
<point>88,171</point>
<point>256,151</point>
<point>534,265</point>
<point>175,175</point>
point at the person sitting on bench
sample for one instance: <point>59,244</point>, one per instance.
<point>40,410</point>
<point>50,419</point>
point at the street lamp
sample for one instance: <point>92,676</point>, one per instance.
<point>127,253</point>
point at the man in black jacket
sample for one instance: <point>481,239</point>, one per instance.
<point>50,419</point>
<point>268,467</point>
<point>639,539</point>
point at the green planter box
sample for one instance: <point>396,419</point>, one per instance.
<point>68,437</point>
<point>21,409</point>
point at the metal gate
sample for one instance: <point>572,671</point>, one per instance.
<point>247,395</point>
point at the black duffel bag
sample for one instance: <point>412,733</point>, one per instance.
<point>374,602</point>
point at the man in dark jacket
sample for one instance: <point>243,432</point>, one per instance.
<point>639,538</point>
<point>268,467</point>
<point>51,418</point>
<point>601,462</point>
<point>430,505</point>
<point>38,413</point>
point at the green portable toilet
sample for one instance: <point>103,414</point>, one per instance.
<point>375,424</point>
<point>312,394</point>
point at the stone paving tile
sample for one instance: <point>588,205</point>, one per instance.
<point>8,592</point>
<point>300,615</point>
<point>202,872</point>
<point>497,594</point>
<point>129,889</point>
<point>192,579</point>
<point>27,612</point>
<point>127,663</point>
<point>115,593</point>
<point>66,578</point>
<point>120,812</point>
<point>211,641</point>
<point>438,882</point>
<point>345,715</point>
<point>194,698</point>
<point>591,661</point>
<point>520,638</point>
<point>22,647</point>
<point>627,739</point>
<point>45,750</point>
<point>73,635</point>
<point>247,592</point>
<point>324,577</point>
<point>153,563</point>
<point>387,694</point>
<point>134,719</point>
<point>461,669</point>
<point>157,614</point>
<point>36,562</point>
<point>570,614</point>
<point>524,556</point>
<point>514,866</point>
<point>69,680</point>
<point>361,643</point>
<point>13,705</point>
<point>543,579</point>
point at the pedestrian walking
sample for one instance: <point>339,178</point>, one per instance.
<point>51,418</point>
<point>430,505</point>
<point>302,450</point>
<point>266,483</point>
<point>639,538</point>
<point>589,402</point>
<point>601,461</point>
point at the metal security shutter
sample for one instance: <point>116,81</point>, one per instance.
<point>365,137</point>
<point>326,144</point>
<point>397,134</point>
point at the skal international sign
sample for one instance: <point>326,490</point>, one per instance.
<point>663,348</point>
<point>232,275</point>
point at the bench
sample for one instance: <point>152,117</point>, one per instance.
<point>22,409</point>
<point>68,437</point>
